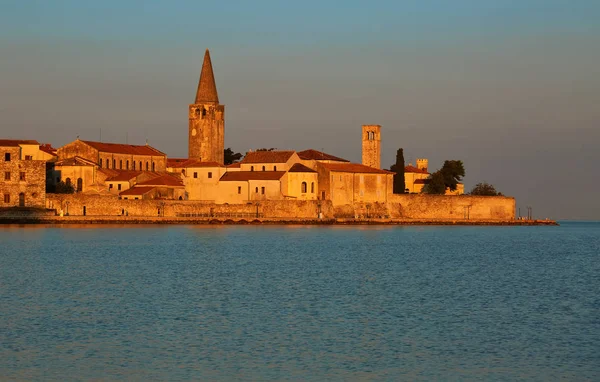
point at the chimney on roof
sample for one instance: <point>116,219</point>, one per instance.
<point>207,89</point>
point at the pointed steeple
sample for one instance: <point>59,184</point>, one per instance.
<point>207,90</point>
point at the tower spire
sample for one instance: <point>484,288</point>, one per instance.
<point>207,89</point>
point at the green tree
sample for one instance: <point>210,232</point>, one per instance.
<point>436,185</point>
<point>265,149</point>
<point>452,172</point>
<point>398,169</point>
<point>63,188</point>
<point>230,156</point>
<point>484,189</point>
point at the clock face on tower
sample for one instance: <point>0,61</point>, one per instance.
<point>194,132</point>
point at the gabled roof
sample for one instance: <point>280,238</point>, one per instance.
<point>244,176</point>
<point>299,167</point>
<point>137,191</point>
<point>318,155</point>
<point>267,156</point>
<point>123,176</point>
<point>207,89</point>
<point>48,149</point>
<point>234,165</point>
<point>414,169</point>
<point>119,148</point>
<point>353,168</point>
<point>186,163</point>
<point>75,161</point>
<point>17,142</point>
<point>163,180</point>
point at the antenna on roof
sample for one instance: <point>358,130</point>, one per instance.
<point>126,137</point>
<point>100,134</point>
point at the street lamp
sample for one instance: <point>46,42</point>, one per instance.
<point>67,214</point>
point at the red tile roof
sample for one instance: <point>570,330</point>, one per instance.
<point>137,191</point>
<point>163,180</point>
<point>123,176</point>
<point>234,165</point>
<point>318,155</point>
<point>244,176</point>
<point>47,148</point>
<point>118,148</point>
<point>353,168</point>
<point>299,167</point>
<point>414,169</point>
<point>17,142</point>
<point>186,163</point>
<point>267,156</point>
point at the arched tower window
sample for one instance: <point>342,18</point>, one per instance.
<point>107,163</point>
<point>141,168</point>
<point>147,166</point>
<point>121,164</point>
<point>153,166</point>
<point>264,168</point>
<point>133,165</point>
<point>251,168</point>
<point>303,188</point>
<point>114,163</point>
<point>127,165</point>
<point>79,184</point>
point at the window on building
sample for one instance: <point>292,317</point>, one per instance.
<point>107,164</point>
<point>262,190</point>
<point>133,165</point>
<point>239,190</point>
<point>119,187</point>
<point>114,163</point>
<point>209,175</point>
<point>28,157</point>
<point>147,166</point>
<point>303,188</point>
<point>256,191</point>
<point>340,178</point>
<point>7,175</point>
<point>127,165</point>
<point>110,186</point>
<point>264,168</point>
<point>141,168</point>
<point>251,168</point>
<point>21,176</point>
<point>153,166</point>
<point>79,185</point>
<point>312,188</point>
<point>183,171</point>
<point>120,165</point>
<point>7,157</point>
<point>68,181</point>
<point>195,175</point>
<point>6,198</point>
<point>274,168</point>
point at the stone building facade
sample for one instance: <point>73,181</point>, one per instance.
<point>371,146</point>
<point>23,174</point>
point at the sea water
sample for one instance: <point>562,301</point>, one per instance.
<point>300,303</point>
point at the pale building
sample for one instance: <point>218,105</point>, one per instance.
<point>200,179</point>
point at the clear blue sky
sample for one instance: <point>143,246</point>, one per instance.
<point>510,87</point>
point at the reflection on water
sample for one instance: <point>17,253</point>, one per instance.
<point>281,302</point>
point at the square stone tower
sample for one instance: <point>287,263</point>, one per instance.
<point>206,140</point>
<point>422,164</point>
<point>371,146</point>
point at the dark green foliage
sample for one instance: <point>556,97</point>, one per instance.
<point>230,156</point>
<point>62,188</point>
<point>436,185</point>
<point>398,169</point>
<point>264,149</point>
<point>484,189</point>
<point>452,172</point>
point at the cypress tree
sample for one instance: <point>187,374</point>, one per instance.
<point>398,168</point>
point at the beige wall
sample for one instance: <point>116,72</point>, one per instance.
<point>121,162</point>
<point>201,187</point>
<point>77,149</point>
<point>33,187</point>
<point>348,188</point>
<point>291,185</point>
<point>409,181</point>
<point>86,173</point>
<point>272,190</point>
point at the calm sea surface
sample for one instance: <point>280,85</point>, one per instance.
<point>300,303</point>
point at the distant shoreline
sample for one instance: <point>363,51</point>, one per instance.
<point>137,220</point>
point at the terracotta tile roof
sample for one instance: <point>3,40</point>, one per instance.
<point>234,165</point>
<point>123,176</point>
<point>299,167</point>
<point>75,161</point>
<point>47,148</point>
<point>243,176</point>
<point>185,163</point>
<point>137,191</point>
<point>414,169</point>
<point>353,168</point>
<point>163,180</point>
<point>17,142</point>
<point>318,155</point>
<point>267,156</point>
<point>119,148</point>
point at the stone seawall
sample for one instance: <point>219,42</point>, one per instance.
<point>408,206</point>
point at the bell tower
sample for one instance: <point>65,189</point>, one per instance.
<point>371,146</point>
<point>206,139</point>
